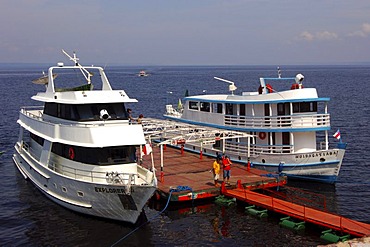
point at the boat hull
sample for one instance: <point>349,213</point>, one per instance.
<point>110,201</point>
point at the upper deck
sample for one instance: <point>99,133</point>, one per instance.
<point>294,110</point>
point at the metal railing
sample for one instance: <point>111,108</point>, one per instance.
<point>255,149</point>
<point>279,122</point>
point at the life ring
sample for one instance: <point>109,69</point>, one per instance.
<point>71,153</point>
<point>262,135</point>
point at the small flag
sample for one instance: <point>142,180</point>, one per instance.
<point>147,149</point>
<point>337,134</point>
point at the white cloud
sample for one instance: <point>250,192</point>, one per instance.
<point>306,36</point>
<point>324,35</point>
<point>364,32</point>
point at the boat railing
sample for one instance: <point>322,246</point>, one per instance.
<point>279,122</point>
<point>257,149</point>
<point>113,177</point>
<point>33,111</point>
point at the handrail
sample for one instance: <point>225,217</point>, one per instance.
<point>278,122</point>
<point>118,178</point>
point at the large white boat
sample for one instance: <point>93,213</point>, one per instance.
<point>80,149</point>
<point>290,128</point>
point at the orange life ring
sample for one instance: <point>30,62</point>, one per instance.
<point>262,135</point>
<point>71,153</point>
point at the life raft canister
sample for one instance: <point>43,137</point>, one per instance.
<point>262,135</point>
<point>71,153</point>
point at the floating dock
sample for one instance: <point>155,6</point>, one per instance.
<point>300,212</point>
<point>188,176</point>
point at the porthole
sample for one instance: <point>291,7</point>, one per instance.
<point>263,161</point>
<point>64,189</point>
<point>80,193</point>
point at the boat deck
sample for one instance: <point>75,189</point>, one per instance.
<point>188,175</point>
<point>307,214</point>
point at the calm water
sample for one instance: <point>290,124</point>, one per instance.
<point>27,218</point>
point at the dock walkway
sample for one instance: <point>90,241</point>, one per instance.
<point>187,169</point>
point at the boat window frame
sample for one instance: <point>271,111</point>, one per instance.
<point>194,105</point>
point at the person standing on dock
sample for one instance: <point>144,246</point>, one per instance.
<point>216,171</point>
<point>226,164</point>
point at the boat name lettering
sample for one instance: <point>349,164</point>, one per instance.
<point>316,155</point>
<point>109,190</point>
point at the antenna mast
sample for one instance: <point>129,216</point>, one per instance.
<point>82,69</point>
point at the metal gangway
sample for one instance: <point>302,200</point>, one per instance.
<point>167,132</point>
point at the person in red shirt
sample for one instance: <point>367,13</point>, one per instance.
<point>226,166</point>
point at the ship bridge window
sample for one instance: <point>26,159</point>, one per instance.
<point>304,107</point>
<point>193,105</point>
<point>96,156</point>
<point>205,106</point>
<point>85,112</point>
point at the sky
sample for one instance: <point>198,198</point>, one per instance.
<point>187,32</point>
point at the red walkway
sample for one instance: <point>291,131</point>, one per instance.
<point>300,212</point>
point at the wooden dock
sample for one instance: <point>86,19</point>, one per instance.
<point>188,175</point>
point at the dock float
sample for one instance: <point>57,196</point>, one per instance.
<point>300,212</point>
<point>188,176</point>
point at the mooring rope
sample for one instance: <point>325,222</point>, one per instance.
<point>178,189</point>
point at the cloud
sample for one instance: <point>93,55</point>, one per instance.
<point>324,35</point>
<point>364,32</point>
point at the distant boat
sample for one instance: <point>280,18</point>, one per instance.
<point>142,73</point>
<point>43,80</point>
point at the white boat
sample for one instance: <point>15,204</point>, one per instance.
<point>143,73</point>
<point>290,128</point>
<point>79,148</point>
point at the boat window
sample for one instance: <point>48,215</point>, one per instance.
<point>305,107</point>
<point>193,105</point>
<point>229,109</point>
<point>242,110</point>
<point>96,156</point>
<point>85,112</point>
<point>37,139</point>
<point>205,106</point>
<point>216,107</point>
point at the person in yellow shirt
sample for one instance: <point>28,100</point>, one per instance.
<point>216,171</point>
